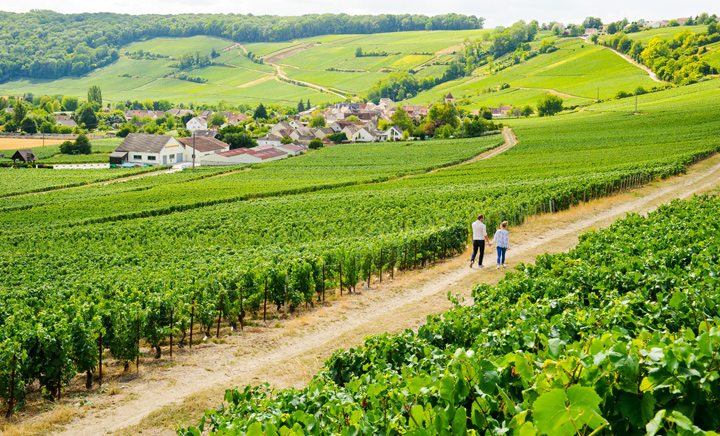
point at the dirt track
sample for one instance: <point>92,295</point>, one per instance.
<point>287,353</point>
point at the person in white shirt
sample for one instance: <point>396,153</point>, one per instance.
<point>502,239</point>
<point>479,238</point>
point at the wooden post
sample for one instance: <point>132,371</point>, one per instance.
<point>222,300</point>
<point>137,358</point>
<point>265,302</point>
<point>11,403</point>
<point>192,319</point>
<point>381,264</point>
<point>392,264</point>
<point>341,281</point>
<point>171,330</point>
<point>100,353</point>
<point>323,283</point>
<point>242,312</point>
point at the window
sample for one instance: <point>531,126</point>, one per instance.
<point>137,157</point>
<point>172,157</point>
<point>151,157</point>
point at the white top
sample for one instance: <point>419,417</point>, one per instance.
<point>479,232</point>
<point>502,237</point>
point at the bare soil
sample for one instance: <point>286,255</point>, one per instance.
<point>288,352</point>
<point>20,143</point>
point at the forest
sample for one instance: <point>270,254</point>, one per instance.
<point>46,45</point>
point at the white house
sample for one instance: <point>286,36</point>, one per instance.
<point>269,139</point>
<point>281,126</point>
<point>203,147</point>
<point>143,148</point>
<point>364,135</point>
<point>196,123</point>
<point>394,133</point>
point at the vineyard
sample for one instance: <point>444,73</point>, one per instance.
<point>105,271</point>
<point>618,336</point>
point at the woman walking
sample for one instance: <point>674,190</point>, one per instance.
<point>502,239</point>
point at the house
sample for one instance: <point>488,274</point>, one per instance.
<point>235,118</point>
<point>178,112</point>
<point>25,155</point>
<point>394,133</point>
<point>203,146</point>
<point>196,123</point>
<point>591,31</point>
<point>271,154</point>
<point>682,21</point>
<point>269,139</point>
<point>9,110</point>
<point>282,125</point>
<point>206,133</point>
<point>293,149</point>
<point>67,123</point>
<point>238,156</point>
<point>143,148</point>
<point>364,135</point>
<point>321,133</point>
<point>386,101</point>
<point>449,98</point>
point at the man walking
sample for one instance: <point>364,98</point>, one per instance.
<point>479,238</point>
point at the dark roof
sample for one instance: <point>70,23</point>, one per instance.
<point>24,155</point>
<point>144,142</point>
<point>206,133</point>
<point>204,144</point>
<point>118,154</point>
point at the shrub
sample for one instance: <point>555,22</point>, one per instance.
<point>315,144</point>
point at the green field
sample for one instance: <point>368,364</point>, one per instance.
<point>579,71</point>
<point>118,258</point>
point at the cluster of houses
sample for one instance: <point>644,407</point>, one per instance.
<point>642,23</point>
<point>147,149</point>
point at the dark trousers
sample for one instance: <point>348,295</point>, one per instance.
<point>478,244</point>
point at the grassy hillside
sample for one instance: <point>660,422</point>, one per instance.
<point>578,71</point>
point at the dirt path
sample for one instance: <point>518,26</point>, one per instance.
<point>282,75</point>
<point>553,92</point>
<point>637,64</point>
<point>510,142</point>
<point>287,353</point>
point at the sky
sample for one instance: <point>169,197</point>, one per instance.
<point>496,13</point>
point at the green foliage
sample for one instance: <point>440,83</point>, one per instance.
<point>337,137</point>
<point>317,122</point>
<point>567,346</point>
<point>444,112</point>
<point>19,112</point>
<point>28,125</point>
<point>260,113</point>
<point>70,103</point>
<point>80,146</point>
<point>239,140</point>
<point>95,95</point>
<point>550,105</point>
<point>315,144</point>
<point>76,44</point>
<point>86,116</point>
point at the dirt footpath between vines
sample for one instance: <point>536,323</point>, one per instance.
<point>288,352</point>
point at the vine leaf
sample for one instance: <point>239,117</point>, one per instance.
<point>564,413</point>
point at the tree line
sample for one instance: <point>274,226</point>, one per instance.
<point>46,44</point>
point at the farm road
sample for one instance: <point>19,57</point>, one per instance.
<point>289,352</point>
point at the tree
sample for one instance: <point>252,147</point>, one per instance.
<point>260,113</point>
<point>70,103</point>
<point>358,52</point>
<point>547,46</point>
<point>308,106</point>
<point>217,119</point>
<point>80,146</point>
<point>594,38</point>
<point>674,23</point>
<point>95,95</point>
<point>46,127</point>
<point>612,28</point>
<point>474,128</point>
<point>286,140</point>
<point>301,106</point>
<point>401,119</point>
<point>592,22</point>
<point>527,111</point>
<point>318,122</point>
<point>86,115</point>
<point>549,105</point>
<point>713,28</point>
<point>337,137</point>
<point>19,112</point>
<point>10,127</point>
<point>445,112</point>
<point>28,125</point>
<point>126,129</point>
<point>239,140</point>
<point>315,144</point>
<point>353,119</point>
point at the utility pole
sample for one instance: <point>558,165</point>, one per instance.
<point>193,155</point>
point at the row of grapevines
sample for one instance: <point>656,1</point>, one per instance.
<point>51,336</point>
<point>619,336</point>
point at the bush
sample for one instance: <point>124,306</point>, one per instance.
<point>550,105</point>
<point>315,144</point>
<point>80,146</point>
<point>622,94</point>
<point>337,137</point>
